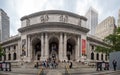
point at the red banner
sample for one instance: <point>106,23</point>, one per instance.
<point>83,46</point>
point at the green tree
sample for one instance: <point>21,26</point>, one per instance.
<point>113,42</point>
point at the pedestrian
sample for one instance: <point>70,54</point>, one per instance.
<point>106,66</point>
<point>114,64</point>
<point>70,65</point>
<point>99,66</point>
<point>103,65</point>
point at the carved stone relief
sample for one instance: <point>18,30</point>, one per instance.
<point>44,18</point>
<point>64,18</point>
<point>23,47</point>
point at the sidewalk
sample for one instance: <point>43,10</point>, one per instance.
<point>72,71</point>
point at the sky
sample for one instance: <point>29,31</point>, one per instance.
<point>19,8</point>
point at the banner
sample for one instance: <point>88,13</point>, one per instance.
<point>83,46</point>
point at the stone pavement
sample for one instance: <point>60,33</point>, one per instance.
<point>75,71</point>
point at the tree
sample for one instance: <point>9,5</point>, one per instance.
<point>113,41</point>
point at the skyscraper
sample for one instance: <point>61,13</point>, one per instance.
<point>4,26</point>
<point>92,20</point>
<point>118,18</point>
<point>106,27</point>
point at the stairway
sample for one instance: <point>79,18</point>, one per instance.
<point>75,65</point>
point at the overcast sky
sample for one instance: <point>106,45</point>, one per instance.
<point>18,8</point>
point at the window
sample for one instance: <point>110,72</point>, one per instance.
<point>97,56</point>
<point>92,47</point>
<point>14,47</point>
<point>9,56</point>
<point>92,56</point>
<point>9,48</point>
<point>14,56</point>
<point>106,57</point>
<point>101,56</point>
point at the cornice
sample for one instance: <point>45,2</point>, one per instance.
<point>53,25</point>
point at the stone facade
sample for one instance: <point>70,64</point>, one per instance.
<point>105,28</point>
<point>118,21</point>
<point>51,34</point>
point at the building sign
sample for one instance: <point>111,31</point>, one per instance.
<point>83,46</point>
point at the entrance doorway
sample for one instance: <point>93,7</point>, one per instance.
<point>36,52</point>
<point>53,48</point>
<point>71,49</point>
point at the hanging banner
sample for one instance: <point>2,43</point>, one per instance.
<point>83,46</point>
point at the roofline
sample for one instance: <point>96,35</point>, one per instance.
<point>96,39</point>
<point>11,39</point>
<point>53,12</point>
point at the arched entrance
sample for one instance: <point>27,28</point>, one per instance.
<point>53,48</point>
<point>36,49</point>
<point>71,49</point>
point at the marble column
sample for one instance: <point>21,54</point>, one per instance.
<point>77,51</point>
<point>61,47</point>
<point>46,46</point>
<point>65,44</point>
<point>42,47</point>
<point>29,49</point>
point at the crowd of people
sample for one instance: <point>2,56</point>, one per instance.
<point>50,63</point>
<point>53,64</point>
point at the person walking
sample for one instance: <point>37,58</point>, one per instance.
<point>114,64</point>
<point>70,65</point>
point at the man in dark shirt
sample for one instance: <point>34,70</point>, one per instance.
<point>114,64</point>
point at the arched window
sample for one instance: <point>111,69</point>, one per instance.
<point>101,56</point>
<point>9,56</point>
<point>92,56</point>
<point>97,56</point>
<point>14,56</point>
<point>106,57</point>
